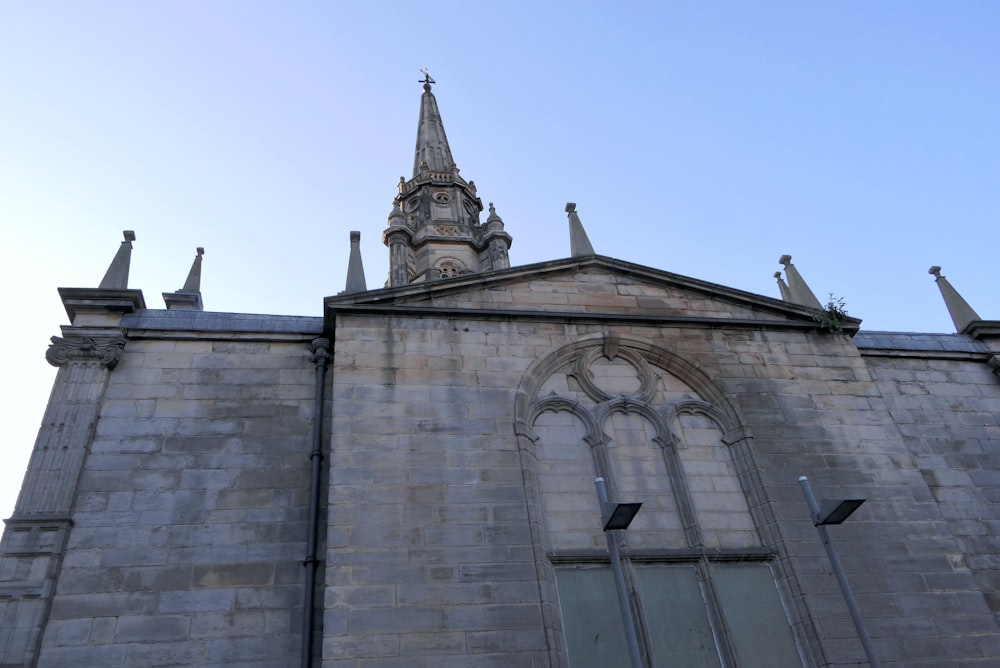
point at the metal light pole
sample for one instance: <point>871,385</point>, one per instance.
<point>835,511</point>
<point>614,517</point>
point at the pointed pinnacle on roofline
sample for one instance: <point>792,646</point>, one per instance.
<point>116,278</point>
<point>962,314</point>
<point>798,289</point>
<point>355,268</point>
<point>188,298</point>
<point>579,243</point>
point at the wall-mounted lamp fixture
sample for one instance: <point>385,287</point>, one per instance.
<point>615,517</point>
<point>835,511</point>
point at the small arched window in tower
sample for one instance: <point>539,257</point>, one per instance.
<point>450,268</point>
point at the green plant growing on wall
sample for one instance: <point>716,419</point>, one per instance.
<point>833,315</point>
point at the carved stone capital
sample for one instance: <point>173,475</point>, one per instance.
<point>104,349</point>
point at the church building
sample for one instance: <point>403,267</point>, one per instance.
<point>414,475</point>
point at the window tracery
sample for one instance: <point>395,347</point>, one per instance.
<point>638,417</point>
<point>450,268</point>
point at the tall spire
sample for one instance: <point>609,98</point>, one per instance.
<point>434,229</point>
<point>432,143</point>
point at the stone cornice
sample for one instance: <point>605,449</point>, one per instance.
<point>76,300</point>
<point>416,310</point>
<point>104,349</point>
<point>983,329</point>
<point>419,293</point>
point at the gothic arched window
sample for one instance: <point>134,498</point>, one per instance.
<point>703,590</point>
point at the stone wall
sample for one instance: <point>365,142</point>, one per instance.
<point>430,555</point>
<point>189,521</point>
<point>946,403</point>
<point>423,430</point>
<point>163,520</point>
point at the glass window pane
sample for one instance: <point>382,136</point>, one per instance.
<point>591,618</point>
<point>678,625</point>
<point>755,616</point>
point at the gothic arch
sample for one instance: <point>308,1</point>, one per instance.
<point>630,349</point>
<point>731,432</point>
<point>593,406</point>
<point>561,404</point>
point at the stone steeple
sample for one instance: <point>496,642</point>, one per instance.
<point>434,229</point>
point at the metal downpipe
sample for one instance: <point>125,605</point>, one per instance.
<point>321,358</point>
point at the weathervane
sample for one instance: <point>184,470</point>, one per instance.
<point>427,80</point>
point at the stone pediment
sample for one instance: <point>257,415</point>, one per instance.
<point>593,287</point>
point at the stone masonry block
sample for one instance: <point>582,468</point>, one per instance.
<point>151,628</point>
<point>210,600</point>
<point>234,575</point>
<point>74,657</point>
<point>410,619</point>
<point>188,653</point>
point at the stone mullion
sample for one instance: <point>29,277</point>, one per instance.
<point>682,494</point>
<point>716,615</point>
<point>602,462</point>
<point>602,465</point>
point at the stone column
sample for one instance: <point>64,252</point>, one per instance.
<point>32,545</point>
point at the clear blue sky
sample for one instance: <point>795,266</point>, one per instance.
<point>702,138</point>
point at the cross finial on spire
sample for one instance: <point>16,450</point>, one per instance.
<point>427,80</point>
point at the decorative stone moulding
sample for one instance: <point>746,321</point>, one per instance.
<point>994,363</point>
<point>105,349</point>
<point>320,352</point>
<point>584,375</point>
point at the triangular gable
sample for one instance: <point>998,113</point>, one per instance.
<point>594,286</point>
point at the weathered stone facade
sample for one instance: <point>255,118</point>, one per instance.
<point>166,515</point>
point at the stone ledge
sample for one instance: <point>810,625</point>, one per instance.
<point>162,319</point>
